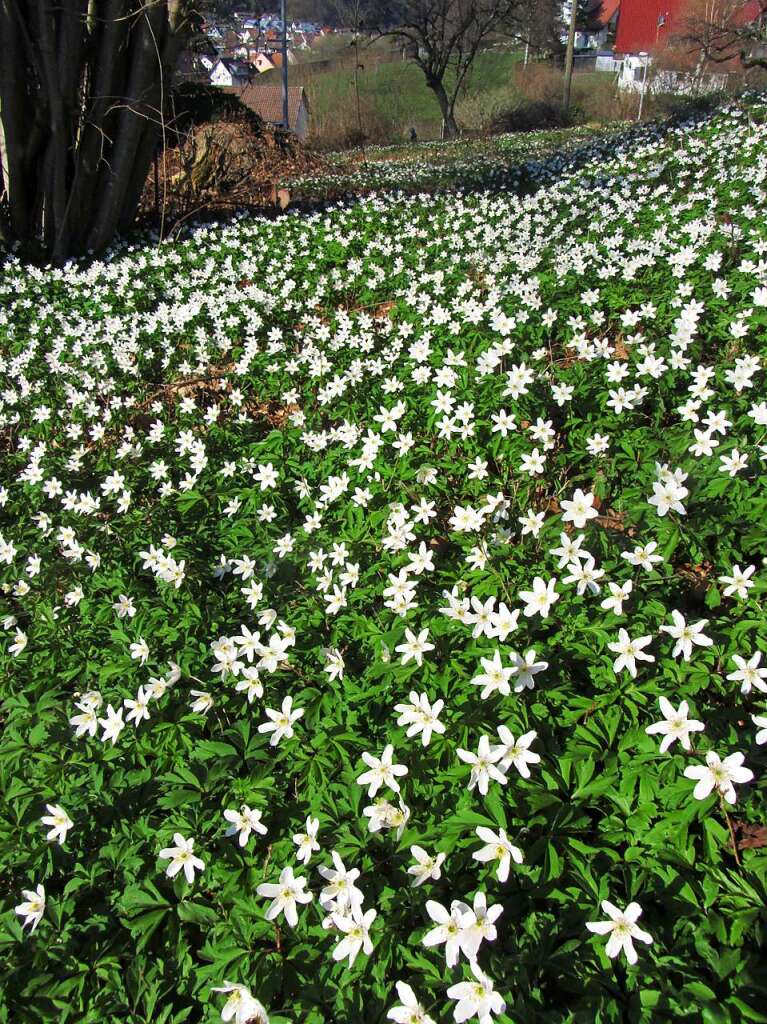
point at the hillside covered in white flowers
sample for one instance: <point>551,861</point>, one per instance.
<point>382,617</point>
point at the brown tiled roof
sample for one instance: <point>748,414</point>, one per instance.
<point>266,101</point>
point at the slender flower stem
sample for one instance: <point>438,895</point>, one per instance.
<point>731,827</point>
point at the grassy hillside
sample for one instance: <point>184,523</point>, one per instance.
<point>393,96</point>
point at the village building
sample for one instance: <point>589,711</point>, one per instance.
<point>644,42</point>
<point>275,56</point>
<point>229,73</point>
<point>256,58</point>
<point>597,29</point>
<point>266,101</point>
<point>263,62</point>
<point>645,25</point>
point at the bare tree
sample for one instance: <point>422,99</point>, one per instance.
<point>443,37</point>
<point>724,32</point>
<point>83,91</point>
<point>541,23</point>
<point>352,14</point>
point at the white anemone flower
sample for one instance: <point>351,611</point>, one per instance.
<point>622,928</point>
<point>719,775</point>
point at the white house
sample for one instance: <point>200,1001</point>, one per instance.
<point>254,58</point>
<point>598,26</point>
<point>230,73</point>
<point>634,72</point>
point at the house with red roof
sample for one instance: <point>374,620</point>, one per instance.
<point>648,31</point>
<point>597,27</point>
<point>266,101</point>
<point>647,26</point>
<point>601,23</point>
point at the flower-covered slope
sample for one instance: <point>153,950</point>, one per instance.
<point>515,161</point>
<point>382,608</point>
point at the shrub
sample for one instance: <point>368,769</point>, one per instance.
<point>196,103</point>
<point>532,115</point>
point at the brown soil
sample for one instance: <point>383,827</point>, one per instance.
<point>224,165</point>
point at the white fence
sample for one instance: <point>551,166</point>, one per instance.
<point>636,74</point>
<point>606,62</point>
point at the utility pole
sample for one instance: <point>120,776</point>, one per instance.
<point>569,56</point>
<point>285,104</point>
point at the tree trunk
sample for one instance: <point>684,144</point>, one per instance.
<point>84,86</point>
<point>450,128</point>
<point>13,125</point>
<point>153,131</point>
<point>99,121</point>
<point>55,160</point>
<point>139,109</point>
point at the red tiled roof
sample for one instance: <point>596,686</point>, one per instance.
<point>644,25</point>
<point>266,101</point>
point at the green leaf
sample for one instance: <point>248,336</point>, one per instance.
<point>197,913</point>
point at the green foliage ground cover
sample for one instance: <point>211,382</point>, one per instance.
<point>520,163</point>
<point>394,466</point>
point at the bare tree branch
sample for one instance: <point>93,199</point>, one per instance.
<point>723,32</point>
<point>445,36</point>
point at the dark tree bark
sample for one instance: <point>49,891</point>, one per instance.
<point>83,90</point>
<point>446,105</point>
